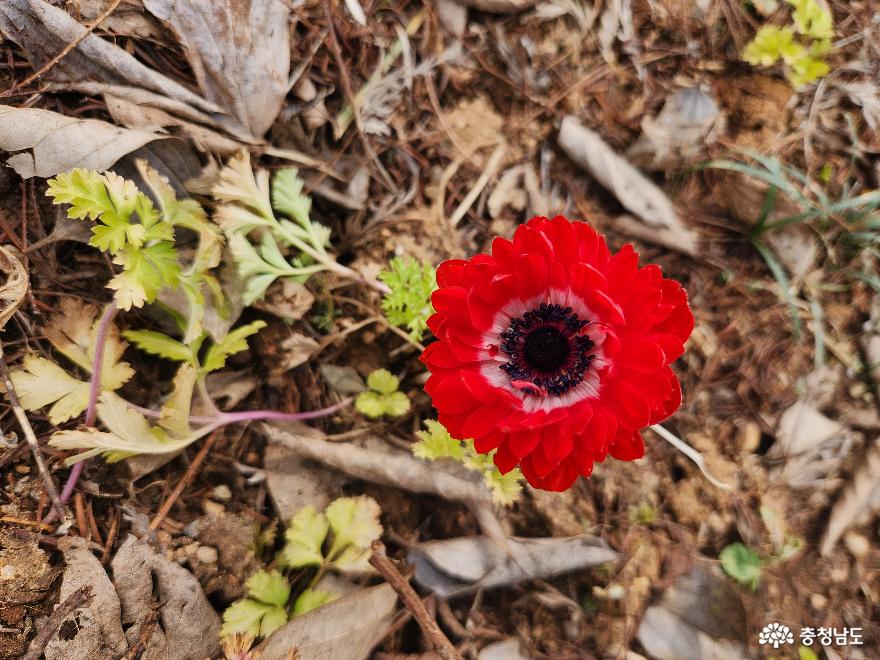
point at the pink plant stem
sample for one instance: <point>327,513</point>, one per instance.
<point>94,389</point>
<point>238,417</point>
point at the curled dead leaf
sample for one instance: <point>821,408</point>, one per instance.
<point>14,289</point>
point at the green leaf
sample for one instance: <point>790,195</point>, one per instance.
<point>41,382</point>
<point>243,616</point>
<point>288,197</point>
<point>268,587</point>
<point>145,272</point>
<point>806,653</point>
<point>311,599</point>
<point>742,564</point>
<point>234,342</point>
<point>370,404</point>
<point>160,344</point>
<point>409,301</point>
<point>175,411</point>
<point>354,521</point>
<point>396,404</point>
<point>383,381</point>
<point>273,619</point>
<point>305,535</point>
<point>436,443</point>
<point>506,488</point>
<point>129,434</point>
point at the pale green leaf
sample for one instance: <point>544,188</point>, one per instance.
<point>505,488</point>
<point>311,599</point>
<point>175,411</point>
<point>396,404</point>
<point>371,404</point>
<point>304,536</point>
<point>244,616</point>
<point>288,197</point>
<point>273,619</point>
<point>238,184</point>
<point>234,342</point>
<point>41,382</point>
<point>742,564</point>
<point>435,442</point>
<point>353,521</point>
<point>353,559</point>
<point>383,381</point>
<point>160,344</point>
<point>268,587</point>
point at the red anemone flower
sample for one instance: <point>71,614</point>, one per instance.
<point>553,351</point>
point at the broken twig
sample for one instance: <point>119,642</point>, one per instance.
<point>414,604</point>
<point>74,601</point>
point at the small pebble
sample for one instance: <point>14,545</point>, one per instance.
<point>23,469</point>
<point>857,544</point>
<point>206,554</point>
<point>7,572</point>
<point>818,601</point>
<point>213,508</point>
<point>221,493</point>
<point>616,592</point>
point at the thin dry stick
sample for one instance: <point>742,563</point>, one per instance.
<point>414,604</point>
<point>64,51</point>
<point>184,481</point>
<point>31,437</point>
<point>74,601</point>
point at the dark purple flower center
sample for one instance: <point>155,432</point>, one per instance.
<point>549,354</point>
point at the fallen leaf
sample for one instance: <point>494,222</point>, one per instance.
<point>295,483</point>
<point>345,628</point>
<point>240,54</point>
<point>127,19</point>
<point>295,349</point>
<point>506,649</point>
<point>660,222</point>
<point>97,627</point>
<point>287,300</point>
<point>344,380</point>
<point>860,499</point>
<point>457,566</point>
<point>190,627</point>
<point>499,6</point>
<point>14,289</point>
<point>52,143</point>
<point>96,65</point>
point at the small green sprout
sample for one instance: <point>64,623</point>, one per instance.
<point>409,301</point>
<point>383,397</point>
<point>436,442</point>
<point>742,564</point>
<point>352,524</point>
<point>263,611</point>
<point>800,46</point>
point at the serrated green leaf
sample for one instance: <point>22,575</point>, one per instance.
<point>383,381</point>
<point>243,616</point>
<point>288,197</point>
<point>409,301</point>
<point>305,535</point>
<point>505,488</point>
<point>234,342</point>
<point>370,403</point>
<point>311,599</point>
<point>41,382</point>
<point>742,564</point>
<point>354,521</point>
<point>396,404</point>
<point>145,272</point>
<point>435,442</point>
<point>160,344</point>
<point>268,587</point>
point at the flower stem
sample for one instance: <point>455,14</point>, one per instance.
<point>94,390</point>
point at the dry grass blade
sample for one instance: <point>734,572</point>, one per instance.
<point>860,498</point>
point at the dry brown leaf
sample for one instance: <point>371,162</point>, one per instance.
<point>346,628</point>
<point>239,52</point>
<point>14,288</point>
<point>455,566</point>
<point>51,143</point>
<point>499,6</point>
<point>127,19</point>
<point>660,220</point>
<point>98,626</point>
<point>96,65</point>
<point>860,498</point>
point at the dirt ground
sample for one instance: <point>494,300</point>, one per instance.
<point>492,98</point>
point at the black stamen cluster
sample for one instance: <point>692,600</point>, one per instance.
<point>545,348</point>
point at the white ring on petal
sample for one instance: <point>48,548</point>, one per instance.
<point>497,377</point>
